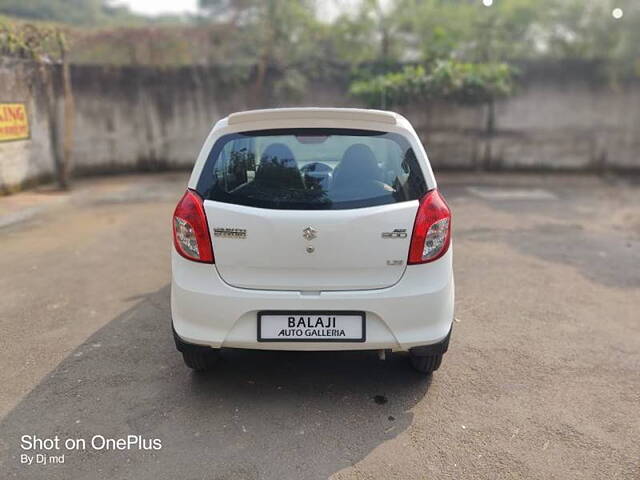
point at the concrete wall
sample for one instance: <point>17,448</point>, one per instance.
<point>551,123</point>
<point>146,118</point>
<point>25,161</point>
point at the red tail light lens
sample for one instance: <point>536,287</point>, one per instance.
<point>432,229</point>
<point>190,230</point>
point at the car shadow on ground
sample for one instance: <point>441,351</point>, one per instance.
<point>257,415</point>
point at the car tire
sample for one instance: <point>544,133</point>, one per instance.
<point>426,364</point>
<point>200,360</point>
<point>196,357</point>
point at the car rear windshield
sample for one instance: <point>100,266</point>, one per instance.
<point>312,169</point>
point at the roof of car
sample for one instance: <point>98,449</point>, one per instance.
<point>314,113</point>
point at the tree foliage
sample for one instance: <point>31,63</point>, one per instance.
<point>79,12</point>
<point>289,40</point>
<point>449,80</point>
<point>509,31</point>
<point>23,40</point>
<point>281,37</point>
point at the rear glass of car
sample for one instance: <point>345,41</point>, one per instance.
<point>312,169</point>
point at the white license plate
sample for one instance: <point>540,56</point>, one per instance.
<point>279,326</point>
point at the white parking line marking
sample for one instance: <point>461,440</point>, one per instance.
<point>493,193</point>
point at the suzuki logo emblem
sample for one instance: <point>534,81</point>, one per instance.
<point>309,233</point>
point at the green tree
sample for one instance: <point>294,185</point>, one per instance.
<point>83,12</point>
<point>282,37</point>
<point>449,80</point>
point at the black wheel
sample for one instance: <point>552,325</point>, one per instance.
<point>426,364</point>
<point>200,359</point>
<point>197,357</point>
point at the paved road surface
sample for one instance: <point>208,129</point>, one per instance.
<point>542,379</point>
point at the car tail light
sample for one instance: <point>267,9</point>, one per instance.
<point>432,229</point>
<point>190,231</point>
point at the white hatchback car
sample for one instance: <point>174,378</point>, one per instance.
<point>312,229</point>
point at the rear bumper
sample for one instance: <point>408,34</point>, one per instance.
<point>416,311</point>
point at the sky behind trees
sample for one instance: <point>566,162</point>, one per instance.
<point>327,9</point>
<point>156,7</point>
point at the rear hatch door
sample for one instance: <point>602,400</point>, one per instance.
<point>311,209</point>
<point>363,248</point>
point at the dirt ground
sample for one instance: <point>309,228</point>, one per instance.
<point>542,379</point>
